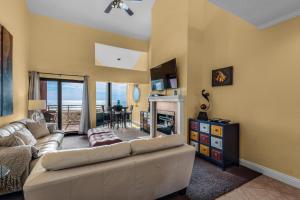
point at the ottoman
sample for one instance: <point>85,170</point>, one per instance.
<point>102,136</point>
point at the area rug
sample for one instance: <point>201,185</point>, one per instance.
<point>209,182</point>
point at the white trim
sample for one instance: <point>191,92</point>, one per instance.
<point>290,180</point>
<point>279,20</point>
<point>178,98</point>
<point>179,115</point>
<point>136,123</point>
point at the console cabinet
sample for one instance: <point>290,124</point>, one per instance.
<point>145,121</point>
<point>215,142</point>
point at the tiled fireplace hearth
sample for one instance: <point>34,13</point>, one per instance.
<point>166,108</point>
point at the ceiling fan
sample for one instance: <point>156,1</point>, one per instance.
<point>120,4</point>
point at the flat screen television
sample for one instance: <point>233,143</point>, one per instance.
<point>164,76</point>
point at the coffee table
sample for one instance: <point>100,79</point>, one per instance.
<point>4,171</point>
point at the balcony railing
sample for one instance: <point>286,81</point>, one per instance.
<point>70,115</point>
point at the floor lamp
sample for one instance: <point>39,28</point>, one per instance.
<point>36,106</point>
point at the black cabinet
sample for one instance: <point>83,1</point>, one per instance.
<point>145,121</point>
<point>216,142</point>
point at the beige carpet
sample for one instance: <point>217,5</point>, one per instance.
<point>125,134</point>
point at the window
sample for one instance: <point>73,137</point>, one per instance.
<point>101,95</point>
<point>119,93</point>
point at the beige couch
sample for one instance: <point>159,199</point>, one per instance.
<point>45,145</point>
<point>136,170</point>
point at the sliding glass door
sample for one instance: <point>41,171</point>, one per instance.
<point>71,105</point>
<point>64,102</point>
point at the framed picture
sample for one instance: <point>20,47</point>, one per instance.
<point>222,77</point>
<point>6,72</point>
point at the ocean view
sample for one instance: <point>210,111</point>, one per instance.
<point>72,93</point>
<point>52,102</point>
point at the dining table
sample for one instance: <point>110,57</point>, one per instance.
<point>121,114</point>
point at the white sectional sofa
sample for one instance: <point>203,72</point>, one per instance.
<point>136,170</point>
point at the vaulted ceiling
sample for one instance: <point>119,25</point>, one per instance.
<point>91,13</point>
<point>261,13</point>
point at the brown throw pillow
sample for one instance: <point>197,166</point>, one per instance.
<point>26,136</point>
<point>35,152</point>
<point>37,129</point>
<point>11,141</point>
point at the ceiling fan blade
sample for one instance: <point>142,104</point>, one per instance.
<point>109,7</point>
<point>129,11</point>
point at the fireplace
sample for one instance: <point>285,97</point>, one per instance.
<point>165,122</point>
<point>166,115</point>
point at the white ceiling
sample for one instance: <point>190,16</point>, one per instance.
<point>91,13</point>
<point>261,13</point>
<point>115,57</point>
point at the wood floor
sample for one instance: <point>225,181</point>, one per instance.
<point>263,188</point>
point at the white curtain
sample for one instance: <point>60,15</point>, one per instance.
<point>85,121</point>
<point>34,86</point>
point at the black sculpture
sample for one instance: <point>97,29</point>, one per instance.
<point>204,108</point>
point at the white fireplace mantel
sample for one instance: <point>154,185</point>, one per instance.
<point>166,98</point>
<point>179,100</point>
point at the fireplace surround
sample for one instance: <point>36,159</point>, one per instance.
<point>167,108</point>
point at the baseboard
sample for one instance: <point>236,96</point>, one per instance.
<point>136,123</point>
<point>290,180</point>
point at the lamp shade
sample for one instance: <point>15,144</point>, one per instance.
<point>36,105</point>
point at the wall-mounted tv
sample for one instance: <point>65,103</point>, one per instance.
<point>164,76</point>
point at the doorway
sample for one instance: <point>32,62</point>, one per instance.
<point>64,102</point>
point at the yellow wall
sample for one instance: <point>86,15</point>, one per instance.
<point>60,47</point>
<point>265,96</point>
<point>14,17</point>
<point>142,105</point>
<point>169,37</point>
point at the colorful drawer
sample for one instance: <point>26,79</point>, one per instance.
<point>217,130</point>
<point>216,155</point>
<point>195,144</point>
<point>194,125</point>
<point>204,127</point>
<point>216,143</point>
<point>204,139</point>
<point>204,150</point>
<point>194,136</point>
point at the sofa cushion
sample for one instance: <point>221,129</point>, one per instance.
<point>11,141</point>
<point>141,146</point>
<point>37,129</point>
<point>78,157</point>
<point>57,137</point>
<point>26,136</point>
<point>45,148</point>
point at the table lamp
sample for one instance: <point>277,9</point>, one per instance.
<point>36,106</point>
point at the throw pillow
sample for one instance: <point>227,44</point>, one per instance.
<point>37,129</point>
<point>11,141</point>
<point>26,136</point>
<point>34,152</point>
